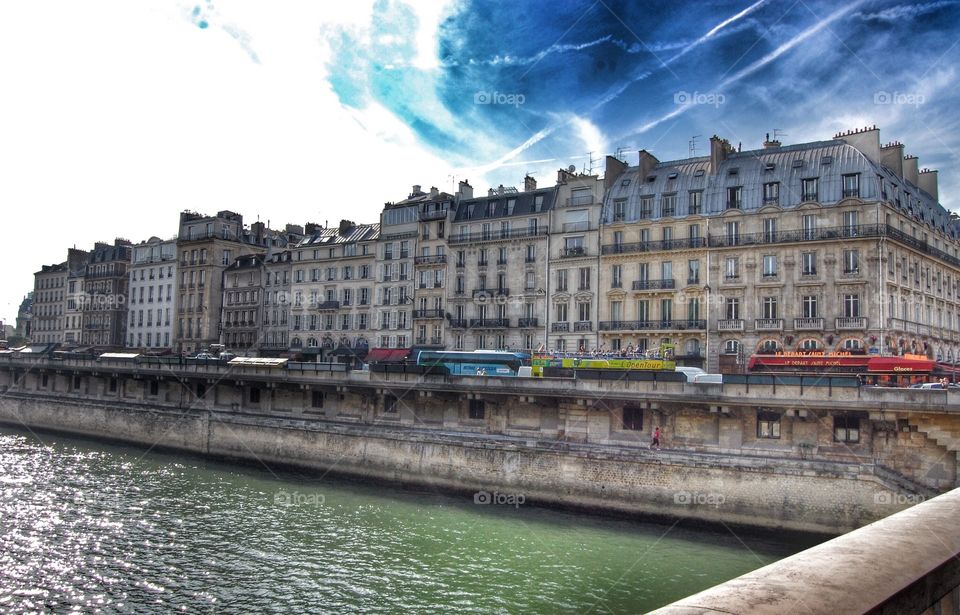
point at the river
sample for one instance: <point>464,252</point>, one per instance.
<point>91,526</point>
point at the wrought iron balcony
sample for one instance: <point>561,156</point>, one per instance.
<point>489,323</point>
<point>560,327</point>
<point>458,324</point>
<point>528,322</point>
<point>654,284</point>
<point>646,325</point>
<point>497,235</point>
<point>583,325</point>
<point>573,252</point>
<point>328,305</point>
<point>436,259</point>
<point>490,292</point>
<point>426,216</point>
<point>655,246</point>
<point>428,313</point>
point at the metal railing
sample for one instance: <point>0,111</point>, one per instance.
<point>655,246</point>
<point>654,284</point>
<point>642,325</point>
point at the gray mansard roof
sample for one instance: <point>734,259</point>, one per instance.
<point>828,161</point>
<point>331,236</point>
<point>525,205</point>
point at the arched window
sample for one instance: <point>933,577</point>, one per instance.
<point>296,342</point>
<point>731,347</point>
<point>768,347</point>
<point>852,344</point>
<point>312,342</point>
<point>810,344</point>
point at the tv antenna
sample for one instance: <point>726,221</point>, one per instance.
<point>777,133</point>
<point>620,151</point>
<point>692,146</point>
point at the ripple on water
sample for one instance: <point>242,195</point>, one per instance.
<point>85,525</point>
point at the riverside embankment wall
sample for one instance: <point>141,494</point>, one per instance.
<point>803,495</point>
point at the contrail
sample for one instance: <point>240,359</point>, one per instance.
<point>755,66</point>
<point>618,90</point>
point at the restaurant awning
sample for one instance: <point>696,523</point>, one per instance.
<point>900,365</point>
<point>388,355</point>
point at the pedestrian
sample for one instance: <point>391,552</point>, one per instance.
<point>656,438</point>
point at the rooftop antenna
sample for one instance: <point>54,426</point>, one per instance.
<point>591,160</point>
<point>692,146</point>
<point>777,133</point>
<point>620,151</point>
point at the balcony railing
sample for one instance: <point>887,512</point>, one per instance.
<point>583,325</point>
<point>426,216</point>
<point>655,246</point>
<point>645,325</point>
<point>490,292</point>
<point>328,305</point>
<point>489,323</point>
<point>458,324</point>
<point>436,341</point>
<point>436,259</point>
<point>580,199</point>
<point>428,313</point>
<point>768,324</point>
<point>573,252</point>
<point>851,322</point>
<point>908,326</point>
<point>819,234</point>
<point>497,235</point>
<point>528,322</point>
<point>560,327</point>
<point>808,324</point>
<point>730,324</point>
<point>654,284</point>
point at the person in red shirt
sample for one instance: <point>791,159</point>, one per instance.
<point>656,438</point>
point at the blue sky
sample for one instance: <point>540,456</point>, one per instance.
<point>117,115</point>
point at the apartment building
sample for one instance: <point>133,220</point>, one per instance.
<point>431,266</point>
<point>74,299</point>
<point>333,287</point>
<point>151,309</point>
<point>830,246</point>
<point>574,262</point>
<point>106,285</point>
<point>47,308</point>
<point>499,247</point>
<point>275,325</point>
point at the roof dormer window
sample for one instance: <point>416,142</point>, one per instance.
<point>734,171</point>
<point>797,163</point>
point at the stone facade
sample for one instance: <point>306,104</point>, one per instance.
<point>49,285</point>
<point>106,283</point>
<point>152,306</point>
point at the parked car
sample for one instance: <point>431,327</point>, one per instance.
<point>690,372</point>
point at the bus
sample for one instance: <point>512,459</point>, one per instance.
<point>660,359</point>
<point>476,362</point>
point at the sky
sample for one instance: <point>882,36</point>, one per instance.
<point>117,115</point>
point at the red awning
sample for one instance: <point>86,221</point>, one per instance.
<point>388,355</point>
<point>811,361</point>
<point>900,365</point>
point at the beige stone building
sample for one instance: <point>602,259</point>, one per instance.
<point>49,285</point>
<point>152,306</point>
<point>333,288</point>
<point>574,262</point>
<point>497,271</point>
<point>836,245</point>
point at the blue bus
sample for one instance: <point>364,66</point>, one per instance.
<point>475,363</point>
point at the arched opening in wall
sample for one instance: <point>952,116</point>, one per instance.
<point>809,345</point>
<point>731,347</point>
<point>312,342</point>
<point>296,342</point>
<point>852,344</point>
<point>691,348</point>
<point>769,346</point>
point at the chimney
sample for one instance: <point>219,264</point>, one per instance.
<point>719,148</point>
<point>416,190</point>
<point>911,169</point>
<point>466,190</point>
<point>647,162</point>
<point>614,169</point>
<point>928,183</point>
<point>346,226</point>
<point>768,144</point>
<point>434,193</point>
<point>491,192</point>
<point>866,139</point>
<point>258,228</point>
<point>891,156</point>
<point>500,189</point>
<point>529,184</point>
<point>311,227</point>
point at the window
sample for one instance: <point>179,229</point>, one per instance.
<point>809,306</point>
<point>666,309</point>
<point>696,202</point>
<point>769,308</point>
<point>561,279</point>
<point>731,347</point>
<point>154,388</point>
<point>646,207</point>
<point>732,271</point>
<point>561,312</point>
<point>732,308</point>
<point>809,226</point>
<point>733,233</point>
<point>851,223</point>
<point>771,193</point>
<point>476,410</point>
<point>584,278</point>
<point>616,274</point>
<point>810,188</point>
<point>254,395</point>
<point>693,272</point>
<point>851,261</point>
<point>620,210</point>
<point>808,263</point>
<point>846,429</point>
<point>733,197</point>
<point>633,418</point>
<point>770,230</point>
<point>668,206</point>
<point>770,266</point>
<point>851,185</point>
<point>768,424</point>
<point>851,306</point>
<point>809,345</point>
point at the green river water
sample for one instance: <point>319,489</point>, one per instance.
<point>91,526</point>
